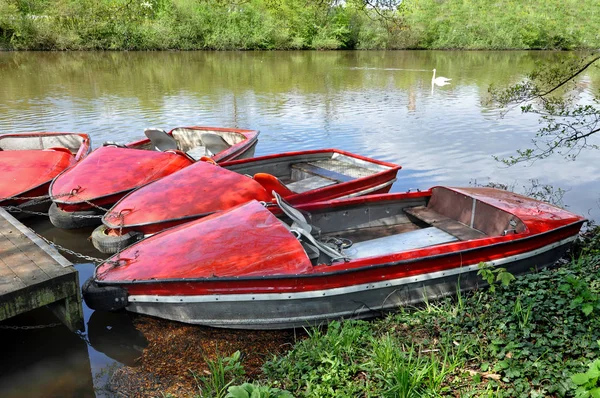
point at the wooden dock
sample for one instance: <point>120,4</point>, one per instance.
<point>33,274</point>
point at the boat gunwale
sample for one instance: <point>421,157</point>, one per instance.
<point>236,162</point>
<point>373,266</point>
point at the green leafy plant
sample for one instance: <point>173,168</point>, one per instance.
<point>248,390</point>
<point>222,372</point>
<point>587,383</point>
<point>492,275</point>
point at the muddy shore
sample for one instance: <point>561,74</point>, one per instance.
<point>176,351</point>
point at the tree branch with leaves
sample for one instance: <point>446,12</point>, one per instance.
<point>554,93</point>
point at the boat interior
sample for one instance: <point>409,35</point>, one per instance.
<point>386,227</point>
<point>33,141</point>
<point>301,173</point>
<point>194,142</point>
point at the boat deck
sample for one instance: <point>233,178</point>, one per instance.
<point>33,274</point>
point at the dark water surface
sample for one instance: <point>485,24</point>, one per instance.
<point>378,104</point>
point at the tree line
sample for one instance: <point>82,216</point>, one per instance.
<point>297,24</point>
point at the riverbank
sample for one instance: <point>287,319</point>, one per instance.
<point>294,24</point>
<point>525,339</point>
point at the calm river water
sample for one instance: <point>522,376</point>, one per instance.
<point>378,104</point>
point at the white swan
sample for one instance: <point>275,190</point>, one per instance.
<point>440,80</point>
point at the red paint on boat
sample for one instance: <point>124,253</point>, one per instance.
<point>241,258</point>
<point>228,244</point>
<point>24,170</point>
<point>110,170</point>
<point>198,190</point>
<point>203,189</point>
<point>28,172</point>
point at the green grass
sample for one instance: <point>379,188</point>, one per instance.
<point>296,24</point>
<point>536,337</point>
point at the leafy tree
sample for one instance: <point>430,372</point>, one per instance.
<point>554,93</point>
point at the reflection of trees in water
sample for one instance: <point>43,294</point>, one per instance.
<point>148,76</point>
<point>48,362</point>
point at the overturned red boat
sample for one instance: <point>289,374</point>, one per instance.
<point>204,188</point>
<point>348,258</point>
<point>29,162</point>
<point>112,171</point>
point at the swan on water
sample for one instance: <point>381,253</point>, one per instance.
<point>440,80</point>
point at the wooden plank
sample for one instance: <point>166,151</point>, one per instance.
<point>17,260</point>
<point>28,298</point>
<point>33,274</point>
<point>32,250</point>
<point>9,281</point>
<point>310,183</point>
<point>321,172</point>
<point>453,227</point>
<point>52,252</point>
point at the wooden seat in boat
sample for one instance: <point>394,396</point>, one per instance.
<point>315,170</point>
<point>399,242</point>
<point>453,227</point>
<point>310,183</point>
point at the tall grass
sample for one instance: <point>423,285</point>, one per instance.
<point>296,24</point>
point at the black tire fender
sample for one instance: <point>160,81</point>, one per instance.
<point>72,219</point>
<point>113,244</point>
<point>103,298</point>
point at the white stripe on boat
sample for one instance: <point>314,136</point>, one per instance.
<point>342,290</point>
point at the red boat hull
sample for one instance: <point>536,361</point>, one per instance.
<point>213,272</point>
<point>28,172</point>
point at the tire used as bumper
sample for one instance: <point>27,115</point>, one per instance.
<point>111,244</point>
<point>104,298</point>
<point>73,219</point>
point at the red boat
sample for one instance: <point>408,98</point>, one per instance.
<point>29,162</point>
<point>112,171</point>
<point>299,177</point>
<point>348,258</point>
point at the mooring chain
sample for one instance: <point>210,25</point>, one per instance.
<point>30,327</point>
<point>33,200</point>
<point>119,215</point>
<point>71,252</point>
<point>36,200</point>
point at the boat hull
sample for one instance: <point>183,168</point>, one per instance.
<point>314,307</point>
<point>29,162</point>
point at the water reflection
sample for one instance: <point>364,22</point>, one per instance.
<point>48,362</point>
<point>113,334</point>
